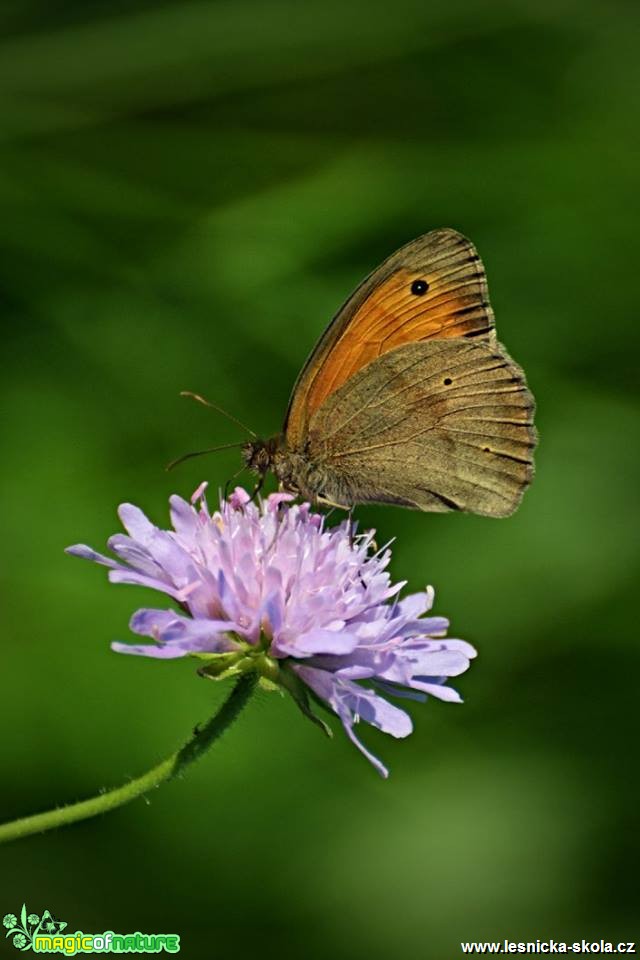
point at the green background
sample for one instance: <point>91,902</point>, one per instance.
<point>188,192</point>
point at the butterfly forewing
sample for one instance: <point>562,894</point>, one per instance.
<point>434,287</point>
<point>434,425</point>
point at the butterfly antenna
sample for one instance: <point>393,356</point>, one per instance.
<point>214,406</point>
<point>201,453</point>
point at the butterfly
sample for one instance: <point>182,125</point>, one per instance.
<point>48,923</point>
<point>408,398</point>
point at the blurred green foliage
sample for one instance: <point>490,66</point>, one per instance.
<point>188,192</point>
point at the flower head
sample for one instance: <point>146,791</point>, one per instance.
<point>19,941</point>
<point>33,918</point>
<point>271,587</point>
<point>10,920</point>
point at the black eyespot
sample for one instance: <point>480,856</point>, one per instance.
<point>419,287</point>
<point>447,381</point>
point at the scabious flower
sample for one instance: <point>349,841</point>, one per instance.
<point>10,921</point>
<point>270,587</point>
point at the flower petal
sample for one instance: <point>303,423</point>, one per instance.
<point>371,757</point>
<point>315,641</point>
<point>86,553</point>
<point>123,575</point>
<point>275,499</point>
<point>369,706</point>
<point>440,663</point>
<point>199,492</point>
<point>167,626</point>
<point>137,556</point>
<point>239,498</point>
<point>416,604</point>
<point>136,523</point>
<point>436,689</point>
<point>353,703</point>
<point>158,652</point>
<point>150,622</point>
<point>393,690</point>
<point>184,519</point>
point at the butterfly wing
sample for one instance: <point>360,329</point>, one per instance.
<point>434,287</point>
<point>435,425</point>
<point>49,924</point>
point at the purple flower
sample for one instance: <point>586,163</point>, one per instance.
<point>270,587</point>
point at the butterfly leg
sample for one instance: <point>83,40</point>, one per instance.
<point>230,481</point>
<point>331,503</point>
<point>258,487</point>
<point>352,526</point>
<point>352,539</point>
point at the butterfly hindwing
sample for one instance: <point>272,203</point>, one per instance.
<point>435,425</point>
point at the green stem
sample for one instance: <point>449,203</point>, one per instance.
<point>201,740</point>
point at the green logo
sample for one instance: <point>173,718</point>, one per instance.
<point>44,934</point>
<point>24,930</point>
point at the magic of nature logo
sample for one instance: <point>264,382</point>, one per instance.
<point>43,933</point>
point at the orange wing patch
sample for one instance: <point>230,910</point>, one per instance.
<point>433,288</point>
<point>393,315</point>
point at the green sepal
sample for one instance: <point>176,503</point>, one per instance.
<point>298,691</point>
<point>219,666</point>
<point>213,657</point>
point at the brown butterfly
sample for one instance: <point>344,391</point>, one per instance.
<point>408,397</point>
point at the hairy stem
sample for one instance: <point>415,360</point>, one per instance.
<point>203,737</point>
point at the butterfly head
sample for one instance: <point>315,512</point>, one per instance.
<point>258,454</point>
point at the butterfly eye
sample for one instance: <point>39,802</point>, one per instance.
<point>419,287</point>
